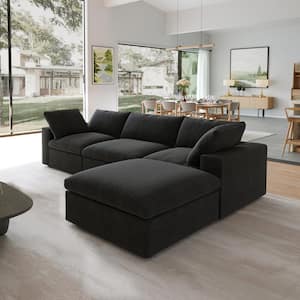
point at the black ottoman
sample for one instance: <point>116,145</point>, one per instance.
<point>142,205</point>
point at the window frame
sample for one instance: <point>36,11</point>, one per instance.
<point>10,73</point>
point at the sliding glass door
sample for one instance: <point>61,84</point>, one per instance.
<point>189,70</point>
<point>47,59</point>
<point>195,66</point>
<point>4,80</point>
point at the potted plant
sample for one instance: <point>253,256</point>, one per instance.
<point>183,85</point>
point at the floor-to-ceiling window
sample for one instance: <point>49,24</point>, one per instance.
<point>46,71</point>
<point>145,73</point>
<point>4,82</point>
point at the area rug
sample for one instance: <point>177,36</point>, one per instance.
<point>253,254</point>
<point>251,135</point>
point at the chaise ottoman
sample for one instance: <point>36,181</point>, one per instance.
<point>142,205</point>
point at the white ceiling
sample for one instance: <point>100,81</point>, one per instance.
<point>171,5</point>
<point>168,5</point>
<point>219,14</point>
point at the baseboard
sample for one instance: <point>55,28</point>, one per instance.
<point>266,116</point>
<point>282,198</point>
<point>279,160</point>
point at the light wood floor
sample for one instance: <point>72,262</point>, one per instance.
<point>284,179</point>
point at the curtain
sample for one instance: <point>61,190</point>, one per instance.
<point>203,74</point>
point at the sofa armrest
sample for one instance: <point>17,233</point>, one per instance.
<point>242,171</point>
<point>47,136</point>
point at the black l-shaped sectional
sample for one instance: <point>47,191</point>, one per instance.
<point>144,181</point>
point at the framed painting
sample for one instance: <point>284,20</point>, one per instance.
<point>103,65</point>
<point>249,64</point>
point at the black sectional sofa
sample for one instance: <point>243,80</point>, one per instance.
<point>145,181</point>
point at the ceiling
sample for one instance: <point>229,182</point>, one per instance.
<point>171,5</point>
<point>219,14</point>
<point>168,5</point>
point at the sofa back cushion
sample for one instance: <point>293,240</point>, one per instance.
<point>66,122</point>
<point>219,138</point>
<point>108,122</point>
<point>151,128</point>
<point>191,131</point>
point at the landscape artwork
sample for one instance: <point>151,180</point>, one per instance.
<point>249,64</point>
<point>103,69</point>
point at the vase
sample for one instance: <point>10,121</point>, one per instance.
<point>183,92</point>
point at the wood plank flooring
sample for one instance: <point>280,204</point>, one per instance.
<point>284,179</point>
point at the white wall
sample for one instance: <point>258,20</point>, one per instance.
<point>135,23</point>
<point>284,42</point>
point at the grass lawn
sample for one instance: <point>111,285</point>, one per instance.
<point>28,114</point>
<point>132,103</point>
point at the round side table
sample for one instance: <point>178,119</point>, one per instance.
<point>12,203</point>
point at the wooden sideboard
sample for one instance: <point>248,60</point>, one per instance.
<point>253,102</point>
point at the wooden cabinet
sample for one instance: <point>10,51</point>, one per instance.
<point>296,83</point>
<point>252,102</point>
<point>296,100</point>
<point>296,131</point>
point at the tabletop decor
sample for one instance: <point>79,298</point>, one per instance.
<point>103,66</point>
<point>262,84</point>
<point>228,83</point>
<point>183,85</point>
<point>248,65</point>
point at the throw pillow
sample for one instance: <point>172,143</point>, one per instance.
<point>66,122</point>
<point>108,122</point>
<point>216,139</point>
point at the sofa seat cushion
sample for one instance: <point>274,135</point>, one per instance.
<point>174,155</point>
<point>75,143</point>
<point>143,187</point>
<point>121,149</point>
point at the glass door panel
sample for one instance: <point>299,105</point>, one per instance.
<point>4,71</point>
<point>189,66</point>
<point>47,60</point>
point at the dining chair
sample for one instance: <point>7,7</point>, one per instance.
<point>168,108</point>
<point>235,114</point>
<point>187,109</point>
<point>149,106</point>
<point>231,112</point>
<point>293,120</point>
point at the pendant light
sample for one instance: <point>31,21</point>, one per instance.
<point>202,44</point>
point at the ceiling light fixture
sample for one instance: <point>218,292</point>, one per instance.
<point>202,44</point>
